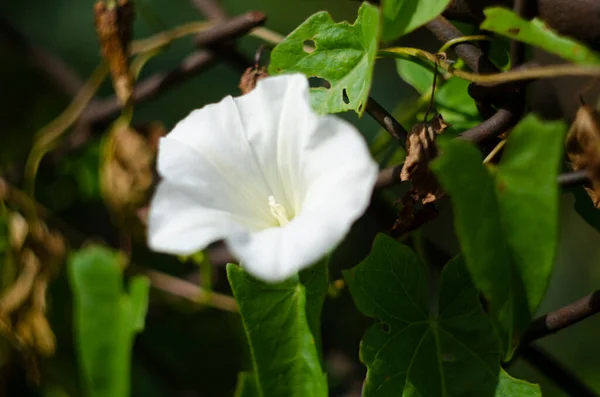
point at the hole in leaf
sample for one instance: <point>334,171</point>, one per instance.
<point>308,46</point>
<point>345,97</point>
<point>385,327</point>
<point>316,82</point>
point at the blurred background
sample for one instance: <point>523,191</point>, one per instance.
<point>186,349</point>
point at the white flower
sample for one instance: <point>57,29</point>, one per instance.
<point>278,183</point>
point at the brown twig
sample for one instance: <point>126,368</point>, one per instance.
<point>190,66</point>
<point>387,121</point>
<point>189,291</point>
<point>564,317</point>
<point>556,372</point>
<point>510,110</point>
<point>152,86</point>
<point>53,67</point>
<point>231,29</point>
<point>574,178</point>
<point>578,20</point>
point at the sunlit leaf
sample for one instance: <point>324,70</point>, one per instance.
<point>403,16</point>
<point>507,221</point>
<point>414,351</point>
<point>277,319</point>
<point>341,55</point>
<point>537,33</point>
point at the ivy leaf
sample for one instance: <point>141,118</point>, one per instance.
<point>507,221</point>
<point>403,16</point>
<point>106,319</point>
<point>537,33</point>
<point>341,54</point>
<point>412,351</point>
<point>277,319</point>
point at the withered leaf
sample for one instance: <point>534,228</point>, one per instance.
<point>128,173</point>
<point>583,148</point>
<point>251,76</point>
<point>421,149</point>
<point>114,22</point>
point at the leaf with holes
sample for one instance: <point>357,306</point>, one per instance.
<point>403,16</point>
<point>340,55</point>
<point>537,33</point>
<point>412,351</point>
<point>279,320</point>
<point>507,221</point>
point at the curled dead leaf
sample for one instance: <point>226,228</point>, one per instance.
<point>421,149</point>
<point>583,148</point>
<point>251,77</point>
<point>114,23</point>
<point>128,172</point>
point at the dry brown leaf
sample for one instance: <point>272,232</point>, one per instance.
<point>128,173</point>
<point>583,147</point>
<point>114,22</point>
<point>251,76</point>
<point>420,150</point>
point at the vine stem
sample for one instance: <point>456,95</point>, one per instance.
<point>192,292</point>
<point>520,74</point>
<point>564,317</point>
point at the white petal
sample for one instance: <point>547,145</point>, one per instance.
<point>277,118</point>
<point>178,225</point>
<point>222,163</point>
<point>339,175</point>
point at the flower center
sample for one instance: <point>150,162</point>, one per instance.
<point>278,212</point>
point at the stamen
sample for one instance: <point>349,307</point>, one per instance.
<point>278,212</point>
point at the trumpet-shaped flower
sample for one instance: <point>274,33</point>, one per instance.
<point>280,184</point>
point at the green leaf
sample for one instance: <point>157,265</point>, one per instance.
<point>316,282</point>
<point>343,55</point>
<point>418,76</point>
<point>403,16</point>
<point>106,319</point>
<point>537,33</point>
<point>276,319</point>
<point>511,387</point>
<point>452,98</point>
<point>507,222</point>
<point>246,385</point>
<point>412,351</point>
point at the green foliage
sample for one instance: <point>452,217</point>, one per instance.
<point>537,33</point>
<point>507,225</point>
<point>246,385</point>
<point>412,351</point>
<point>281,321</point>
<point>403,16</point>
<point>452,98</point>
<point>342,54</point>
<point>106,319</point>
